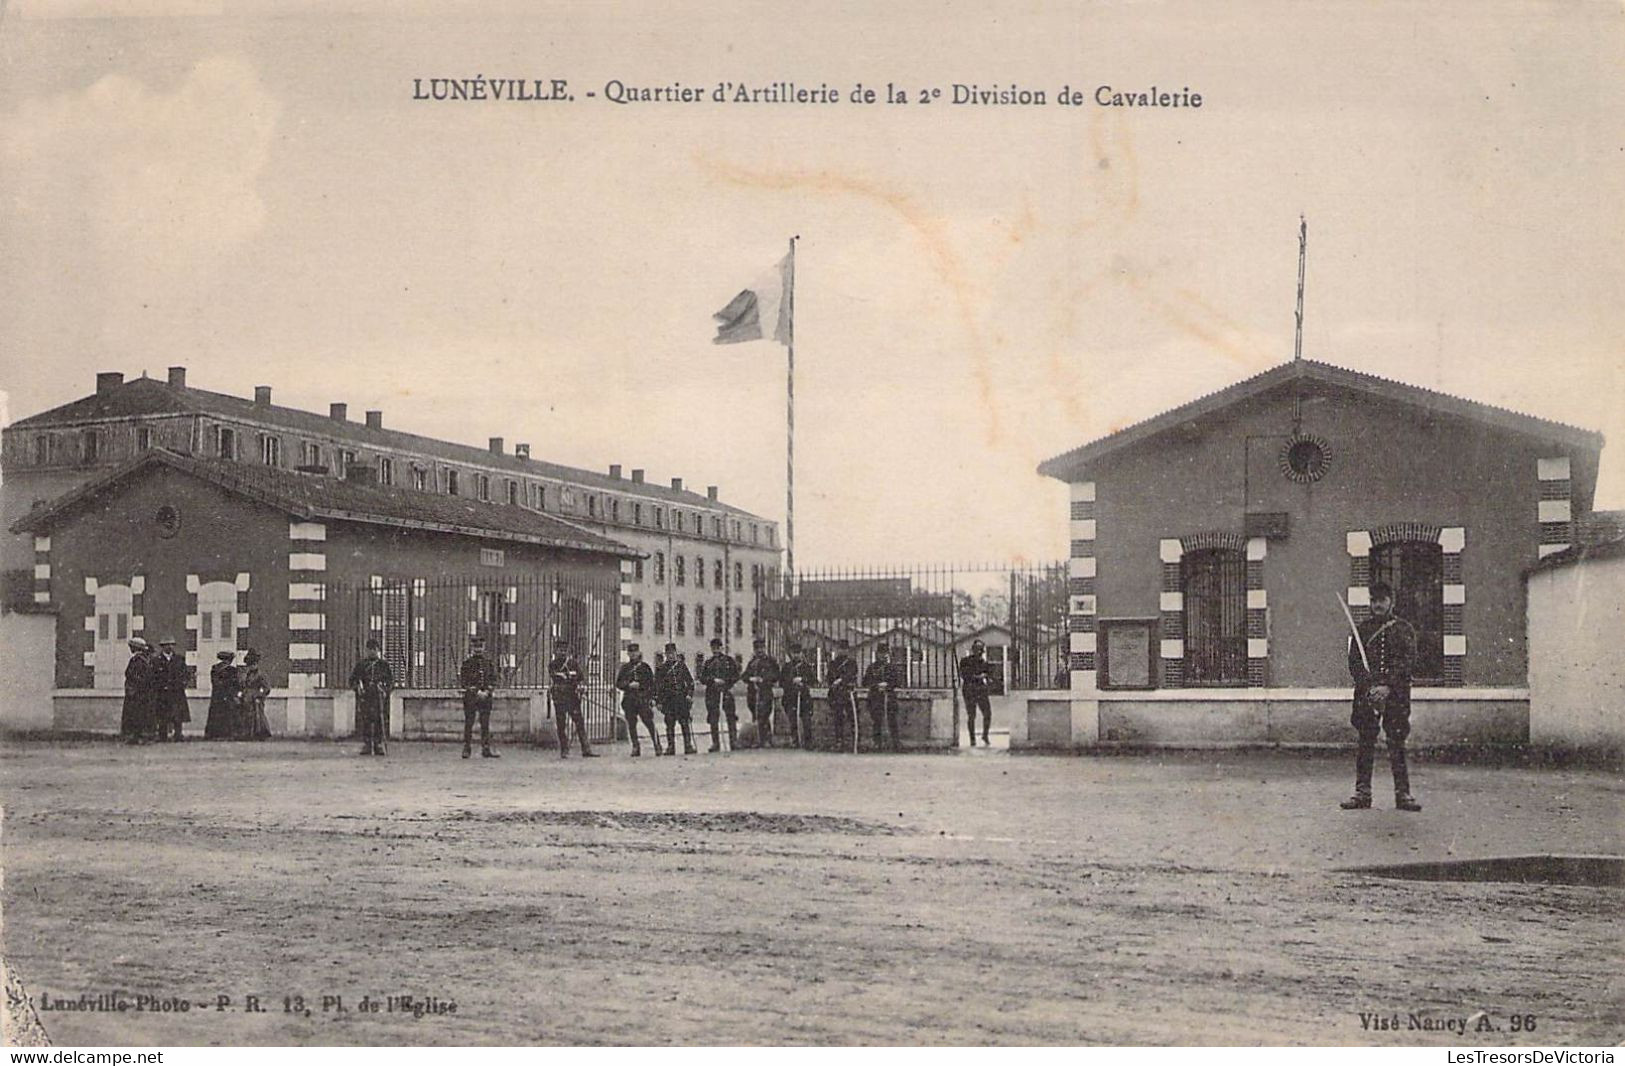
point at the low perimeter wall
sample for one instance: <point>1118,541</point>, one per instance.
<point>1258,717</point>
<point>927,720</point>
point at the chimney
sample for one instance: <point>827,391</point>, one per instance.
<point>711,493</point>
<point>522,450</point>
<point>361,473</point>
<point>262,395</point>
<point>677,484</point>
<point>109,380</point>
<point>496,446</point>
<point>338,412</point>
<point>375,420</point>
<point>637,475</point>
<point>615,471</point>
<point>177,377</point>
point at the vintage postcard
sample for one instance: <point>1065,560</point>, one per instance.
<point>737,523</point>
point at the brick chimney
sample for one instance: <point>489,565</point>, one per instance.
<point>109,380</point>
<point>522,450</point>
<point>637,475</point>
<point>339,412</point>
<point>177,377</point>
<point>677,484</point>
<point>711,493</point>
<point>262,395</point>
<point>496,446</point>
<point>615,471</point>
<point>375,420</point>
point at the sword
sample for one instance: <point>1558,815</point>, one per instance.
<point>1358,643</point>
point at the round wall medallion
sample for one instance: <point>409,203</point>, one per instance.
<point>1305,458</point>
<point>169,521</point>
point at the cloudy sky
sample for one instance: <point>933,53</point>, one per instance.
<point>259,198</point>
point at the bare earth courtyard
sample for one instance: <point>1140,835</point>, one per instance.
<point>768,897</point>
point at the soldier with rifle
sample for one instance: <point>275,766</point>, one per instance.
<point>636,683</point>
<point>674,690</point>
<point>564,673</point>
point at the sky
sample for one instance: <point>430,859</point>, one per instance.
<point>257,196</point>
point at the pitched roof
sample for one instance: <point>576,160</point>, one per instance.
<point>145,396</point>
<point>307,497</point>
<point>1061,466</point>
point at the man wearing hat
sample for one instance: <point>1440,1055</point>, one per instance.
<point>637,684</point>
<point>843,683</point>
<point>760,674</point>
<point>169,685</point>
<point>797,678</point>
<point>881,681</point>
<point>564,671</point>
<point>478,677</point>
<point>718,675</point>
<point>674,688</point>
<point>1380,659</point>
<point>372,679</point>
<point>136,723</point>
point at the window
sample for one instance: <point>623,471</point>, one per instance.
<point>699,619</point>
<point>660,618</point>
<point>637,570</point>
<point>313,454</point>
<point>1214,581</point>
<point>660,568</point>
<point>755,575</point>
<point>217,627</point>
<point>567,498</point>
<point>677,519</point>
<point>420,479</point>
<point>44,445</point>
<point>717,580</point>
<point>346,460</point>
<point>492,557</point>
<point>270,450</point>
<point>770,536</point>
<point>716,621</point>
<point>755,533</point>
<point>513,493</point>
<point>637,513</point>
<point>637,616</point>
<point>734,533</point>
<point>1414,569</point>
<point>386,472</point>
<point>699,572</point>
<point>739,621</point>
<point>660,518</point>
<point>614,510</point>
<point>739,577</point>
<point>451,482</point>
<point>592,506</point>
<point>677,575</point>
<point>1128,653</point>
<point>225,442</point>
<point>537,502</point>
<point>482,487</point>
<point>755,625</point>
<point>143,438</point>
<point>677,622</point>
<point>716,527</point>
<point>90,446</point>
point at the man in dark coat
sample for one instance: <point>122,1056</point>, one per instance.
<point>976,681</point>
<point>169,685</point>
<point>478,677</point>
<point>843,696</point>
<point>674,688</point>
<point>719,674</point>
<point>137,723</point>
<point>372,679</point>
<point>798,677</point>
<point>881,681</point>
<point>760,674</point>
<point>1380,661</point>
<point>637,685</point>
<point>565,677</point>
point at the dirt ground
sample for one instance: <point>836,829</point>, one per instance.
<point>780,897</point>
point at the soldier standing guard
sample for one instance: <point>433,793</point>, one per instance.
<point>674,686</point>
<point>565,671</point>
<point>719,674</point>
<point>760,674</point>
<point>637,684</point>
<point>1380,659</point>
<point>139,691</point>
<point>169,684</point>
<point>975,680</point>
<point>881,681</point>
<point>843,703</point>
<point>478,677</point>
<point>797,678</point>
<point>372,679</point>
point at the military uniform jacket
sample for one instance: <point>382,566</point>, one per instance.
<point>880,673</point>
<point>1390,645</point>
<point>478,677</point>
<point>565,672</point>
<point>843,674</point>
<point>640,674</point>
<point>719,673</point>
<point>797,678</point>
<point>372,679</point>
<point>762,672</point>
<point>169,688</point>
<point>975,674</point>
<point>674,685</point>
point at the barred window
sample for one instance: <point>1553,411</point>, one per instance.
<point>1214,581</point>
<point>1414,569</point>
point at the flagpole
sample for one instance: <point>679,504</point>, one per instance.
<point>790,428</point>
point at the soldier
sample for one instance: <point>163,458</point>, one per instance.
<point>797,678</point>
<point>674,687</point>
<point>565,671</point>
<point>478,677</point>
<point>843,703</point>
<point>1382,697</point>
<point>719,674</point>
<point>881,681</point>
<point>975,680</point>
<point>137,721</point>
<point>372,679</point>
<point>169,699</point>
<point>637,684</point>
<point>760,674</point>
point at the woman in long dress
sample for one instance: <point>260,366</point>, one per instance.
<point>225,697</point>
<point>255,688</point>
<point>138,721</point>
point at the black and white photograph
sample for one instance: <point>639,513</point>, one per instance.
<point>730,523</point>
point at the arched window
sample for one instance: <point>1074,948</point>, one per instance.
<point>1214,583</point>
<point>1414,569</point>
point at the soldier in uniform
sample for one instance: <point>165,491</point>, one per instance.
<point>843,701</point>
<point>139,690</point>
<point>478,677</point>
<point>372,679</point>
<point>637,684</point>
<point>719,675</point>
<point>564,670</point>
<point>169,700</point>
<point>881,681</point>
<point>760,674</point>
<point>1382,697</point>
<point>674,688</point>
<point>975,680</point>
<point>797,678</point>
